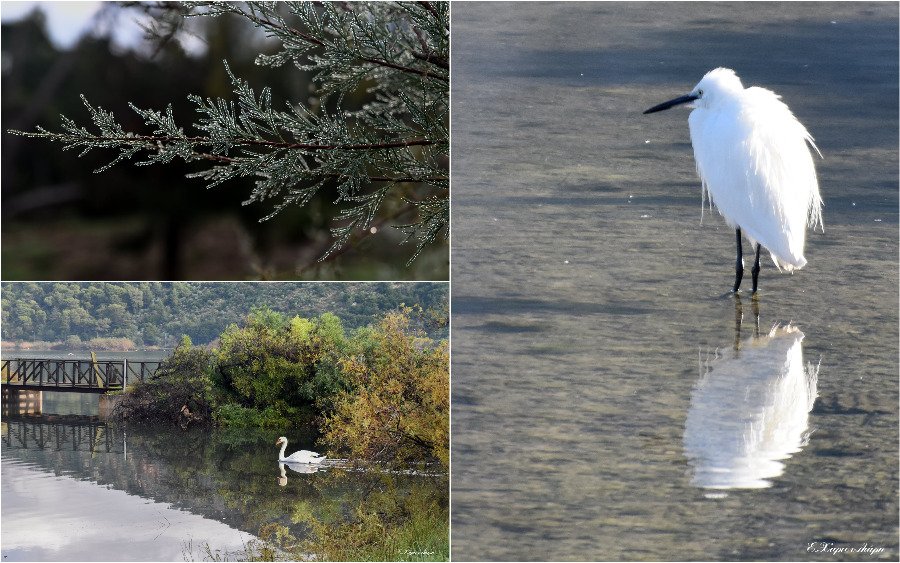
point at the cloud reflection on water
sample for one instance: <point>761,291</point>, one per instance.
<point>48,517</point>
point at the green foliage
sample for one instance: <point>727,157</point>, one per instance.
<point>267,318</point>
<point>233,415</point>
<point>280,364</point>
<point>73,342</point>
<point>384,525</point>
<point>384,393</point>
<point>384,162</point>
<point>398,408</point>
<point>181,392</point>
<point>349,515</point>
<point>157,313</point>
<point>373,520</point>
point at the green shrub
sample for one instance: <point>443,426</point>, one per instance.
<point>280,363</point>
<point>181,391</point>
<point>236,416</point>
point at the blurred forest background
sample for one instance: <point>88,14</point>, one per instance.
<point>60,221</point>
<point>158,314</point>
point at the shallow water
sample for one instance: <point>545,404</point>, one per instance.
<point>588,301</point>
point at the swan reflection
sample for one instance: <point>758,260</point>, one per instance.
<point>296,468</point>
<point>750,409</point>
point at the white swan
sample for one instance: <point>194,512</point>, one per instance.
<point>303,456</point>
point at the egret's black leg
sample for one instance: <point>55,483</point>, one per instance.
<point>739,263</point>
<point>754,306</point>
<point>755,269</point>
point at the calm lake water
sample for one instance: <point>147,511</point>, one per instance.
<point>608,402</point>
<point>77,489</point>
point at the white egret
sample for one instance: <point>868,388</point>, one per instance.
<point>302,456</point>
<point>755,166</point>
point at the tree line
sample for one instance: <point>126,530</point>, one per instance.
<point>158,314</point>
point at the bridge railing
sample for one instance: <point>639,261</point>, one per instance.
<point>141,370</point>
<point>74,375</point>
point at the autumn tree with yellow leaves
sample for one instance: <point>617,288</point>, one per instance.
<point>398,409</point>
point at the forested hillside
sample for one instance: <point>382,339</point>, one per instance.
<point>157,314</point>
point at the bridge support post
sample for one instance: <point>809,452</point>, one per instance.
<point>21,401</point>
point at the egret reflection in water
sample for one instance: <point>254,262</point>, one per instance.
<point>750,409</point>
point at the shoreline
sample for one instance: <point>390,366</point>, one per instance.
<point>93,345</point>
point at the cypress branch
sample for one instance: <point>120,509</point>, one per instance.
<point>400,51</point>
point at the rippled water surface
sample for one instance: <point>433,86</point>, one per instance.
<point>608,401</point>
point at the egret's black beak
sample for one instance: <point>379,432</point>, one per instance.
<point>672,103</point>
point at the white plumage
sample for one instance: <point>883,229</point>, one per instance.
<point>302,456</point>
<point>750,410</point>
<point>754,164</point>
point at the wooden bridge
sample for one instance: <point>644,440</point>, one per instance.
<point>74,376</point>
